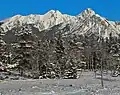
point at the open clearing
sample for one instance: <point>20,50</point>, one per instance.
<point>85,85</point>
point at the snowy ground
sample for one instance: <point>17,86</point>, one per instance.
<point>85,85</point>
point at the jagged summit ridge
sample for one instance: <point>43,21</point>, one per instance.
<point>88,11</point>
<point>41,22</point>
<point>82,23</point>
<point>49,19</point>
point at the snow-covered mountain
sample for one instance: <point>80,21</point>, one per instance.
<point>41,22</point>
<point>86,22</point>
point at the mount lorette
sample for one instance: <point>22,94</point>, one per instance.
<point>87,22</point>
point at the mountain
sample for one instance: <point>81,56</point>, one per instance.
<point>87,22</point>
<point>55,45</point>
<point>41,22</point>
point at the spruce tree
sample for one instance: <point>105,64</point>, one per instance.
<point>3,54</point>
<point>24,49</point>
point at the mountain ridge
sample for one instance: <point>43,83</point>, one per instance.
<point>79,24</point>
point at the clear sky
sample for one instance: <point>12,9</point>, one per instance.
<point>107,8</point>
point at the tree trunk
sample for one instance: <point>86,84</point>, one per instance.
<point>102,84</point>
<point>95,72</point>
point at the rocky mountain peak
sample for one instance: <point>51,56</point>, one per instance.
<point>51,18</point>
<point>88,11</point>
<point>86,21</point>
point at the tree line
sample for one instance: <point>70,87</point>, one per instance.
<point>60,56</point>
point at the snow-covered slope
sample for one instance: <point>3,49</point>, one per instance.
<point>89,22</point>
<point>85,23</point>
<point>41,22</point>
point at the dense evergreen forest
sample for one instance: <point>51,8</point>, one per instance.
<point>59,56</point>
